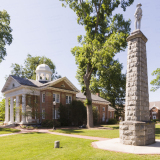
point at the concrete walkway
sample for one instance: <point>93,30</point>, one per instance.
<point>116,146</point>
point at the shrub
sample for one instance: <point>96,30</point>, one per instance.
<point>112,121</point>
<point>49,123</point>
<point>95,115</point>
<point>155,120</point>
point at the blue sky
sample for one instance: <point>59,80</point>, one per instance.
<point>45,28</point>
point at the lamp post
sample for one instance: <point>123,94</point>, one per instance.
<point>54,128</point>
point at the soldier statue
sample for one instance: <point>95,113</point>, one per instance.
<point>138,16</point>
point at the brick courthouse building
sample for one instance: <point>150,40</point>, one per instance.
<point>42,92</point>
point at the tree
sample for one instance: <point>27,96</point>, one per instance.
<point>105,36</point>
<point>78,113</point>
<point>2,110</point>
<point>111,84</point>
<point>30,65</point>
<point>5,33</point>
<point>155,82</point>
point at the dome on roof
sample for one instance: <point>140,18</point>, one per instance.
<point>43,73</point>
<point>43,67</point>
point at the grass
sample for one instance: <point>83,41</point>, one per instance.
<point>8,130</point>
<point>39,146</point>
<point>104,133</point>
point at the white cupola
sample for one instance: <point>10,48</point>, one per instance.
<point>43,73</point>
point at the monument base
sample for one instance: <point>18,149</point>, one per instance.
<point>137,133</point>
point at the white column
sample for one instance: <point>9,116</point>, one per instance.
<point>17,110</point>
<point>6,111</point>
<point>11,111</point>
<point>23,109</point>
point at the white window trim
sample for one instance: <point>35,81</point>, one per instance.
<point>68,99</point>
<point>56,97</point>
<point>103,109</point>
<point>43,113</point>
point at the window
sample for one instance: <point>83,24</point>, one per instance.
<point>103,108</point>
<point>43,113</point>
<point>68,99</point>
<point>13,85</point>
<point>56,97</point>
<point>57,116</point>
<point>43,97</point>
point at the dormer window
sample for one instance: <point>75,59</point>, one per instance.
<point>13,85</point>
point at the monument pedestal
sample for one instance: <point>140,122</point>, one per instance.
<point>137,133</point>
<point>137,129</point>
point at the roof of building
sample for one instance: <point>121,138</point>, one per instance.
<point>94,97</point>
<point>34,83</point>
<point>27,82</point>
<point>44,68</point>
<point>110,108</point>
<point>154,104</point>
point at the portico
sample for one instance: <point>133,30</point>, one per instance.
<point>15,93</point>
<point>17,116</point>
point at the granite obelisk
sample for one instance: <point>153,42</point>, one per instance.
<point>137,129</point>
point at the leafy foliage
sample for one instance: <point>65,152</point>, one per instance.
<point>73,114</point>
<point>95,115</point>
<point>112,121</point>
<point>78,113</point>
<point>5,33</point>
<point>105,36</point>
<point>111,84</point>
<point>2,110</point>
<point>30,65</point>
<point>155,82</point>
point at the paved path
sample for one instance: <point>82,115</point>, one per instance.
<point>116,146</point>
<point>56,133</point>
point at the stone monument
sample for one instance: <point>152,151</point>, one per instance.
<point>137,129</point>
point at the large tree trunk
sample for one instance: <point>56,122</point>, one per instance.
<point>87,78</point>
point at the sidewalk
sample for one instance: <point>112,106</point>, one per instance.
<point>55,133</point>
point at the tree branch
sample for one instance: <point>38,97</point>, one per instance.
<point>97,17</point>
<point>81,1</point>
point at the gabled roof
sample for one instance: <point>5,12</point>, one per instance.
<point>34,83</point>
<point>154,104</point>
<point>94,97</point>
<point>49,84</point>
<point>110,108</point>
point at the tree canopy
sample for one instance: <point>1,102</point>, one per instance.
<point>155,82</point>
<point>5,33</point>
<point>30,65</point>
<point>105,36</point>
<point>111,84</point>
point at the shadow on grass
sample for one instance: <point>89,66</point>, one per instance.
<point>69,131</point>
<point>157,134</point>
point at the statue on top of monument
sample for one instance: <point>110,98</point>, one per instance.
<point>138,16</point>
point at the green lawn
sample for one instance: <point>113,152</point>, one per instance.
<point>39,146</point>
<point>8,130</point>
<point>91,132</point>
<point>104,133</point>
